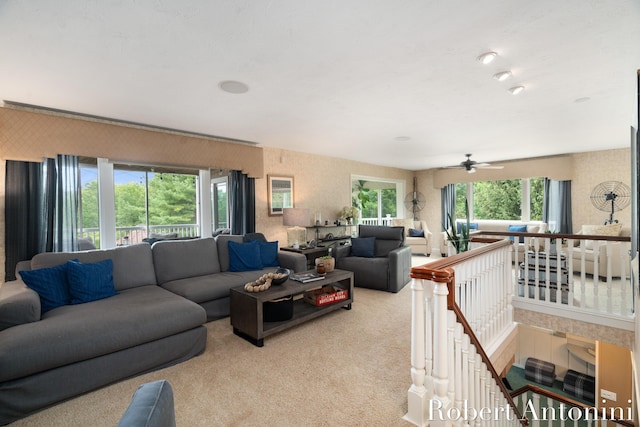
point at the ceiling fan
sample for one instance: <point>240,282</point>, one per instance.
<point>471,165</point>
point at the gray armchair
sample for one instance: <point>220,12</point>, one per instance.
<point>386,266</point>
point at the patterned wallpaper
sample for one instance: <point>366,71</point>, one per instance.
<point>322,183</point>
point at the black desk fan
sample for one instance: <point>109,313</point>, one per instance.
<point>611,196</point>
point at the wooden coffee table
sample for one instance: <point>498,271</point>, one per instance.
<point>247,307</point>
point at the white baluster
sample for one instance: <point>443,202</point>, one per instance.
<point>440,332</point>
<point>417,394</point>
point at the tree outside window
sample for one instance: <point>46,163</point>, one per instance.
<point>501,200</point>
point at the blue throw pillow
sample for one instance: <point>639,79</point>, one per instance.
<point>461,225</point>
<point>519,229</point>
<point>50,284</point>
<point>363,246</point>
<point>414,232</point>
<point>269,254</point>
<point>244,256</point>
<point>91,281</point>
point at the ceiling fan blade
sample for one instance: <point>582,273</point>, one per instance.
<point>489,167</point>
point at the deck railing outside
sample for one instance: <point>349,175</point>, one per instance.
<point>386,221</point>
<point>136,234</point>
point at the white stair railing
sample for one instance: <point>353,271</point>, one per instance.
<point>453,380</point>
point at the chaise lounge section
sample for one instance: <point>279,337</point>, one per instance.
<point>164,295</point>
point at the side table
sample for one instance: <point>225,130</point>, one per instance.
<point>310,253</point>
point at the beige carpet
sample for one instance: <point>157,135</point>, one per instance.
<point>347,368</point>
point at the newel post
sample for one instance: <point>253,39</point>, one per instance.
<point>417,395</point>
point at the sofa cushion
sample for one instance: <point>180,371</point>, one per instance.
<point>518,229</point>
<point>600,230</point>
<point>179,259</point>
<point>90,281</point>
<point>210,287</point>
<point>163,236</point>
<point>75,333</point>
<point>363,246</point>
<point>387,238</point>
<point>414,232</point>
<point>50,284</point>
<point>18,304</point>
<point>223,248</point>
<point>244,256</point>
<point>132,265</point>
<point>269,254</point>
<point>461,225</point>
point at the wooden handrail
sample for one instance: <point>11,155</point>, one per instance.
<point>562,399</point>
<point>426,271</point>
<point>555,236</point>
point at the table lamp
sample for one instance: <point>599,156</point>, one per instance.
<point>297,219</point>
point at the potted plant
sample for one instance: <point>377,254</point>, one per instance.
<point>459,241</point>
<point>328,261</point>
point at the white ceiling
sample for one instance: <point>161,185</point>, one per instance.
<point>343,78</point>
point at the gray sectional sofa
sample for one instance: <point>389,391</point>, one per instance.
<point>165,293</point>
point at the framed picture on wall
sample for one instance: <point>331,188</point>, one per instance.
<point>280,193</point>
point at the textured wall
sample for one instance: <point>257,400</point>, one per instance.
<point>321,184</point>
<point>32,136</point>
<point>590,169</point>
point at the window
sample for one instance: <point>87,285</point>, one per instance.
<point>219,207</point>
<point>129,203</point>
<point>89,216</point>
<point>378,200</point>
<point>513,199</point>
<point>152,202</point>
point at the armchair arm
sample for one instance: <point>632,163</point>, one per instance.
<point>341,252</point>
<point>399,268</point>
<point>616,255</point>
<point>292,260</point>
<point>18,304</point>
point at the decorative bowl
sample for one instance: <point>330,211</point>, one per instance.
<point>282,279</point>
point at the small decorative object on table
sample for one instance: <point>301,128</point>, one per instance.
<point>328,294</point>
<point>306,277</point>
<point>328,261</point>
<point>265,281</point>
<point>349,213</point>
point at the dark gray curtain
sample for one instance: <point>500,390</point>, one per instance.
<point>556,206</point>
<point>65,221</point>
<point>242,203</point>
<point>24,212</point>
<point>447,204</point>
<point>41,206</point>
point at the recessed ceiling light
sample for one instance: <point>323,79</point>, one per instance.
<point>516,90</point>
<point>487,57</point>
<point>502,75</point>
<point>232,86</point>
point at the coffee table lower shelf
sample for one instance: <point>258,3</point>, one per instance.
<point>247,308</point>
